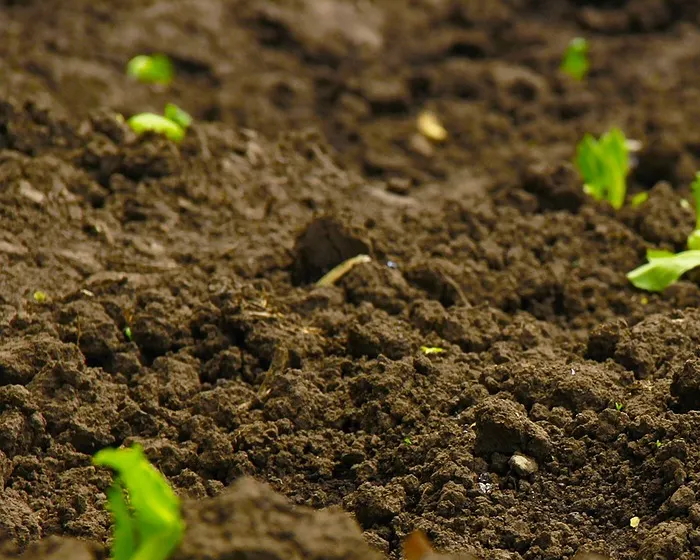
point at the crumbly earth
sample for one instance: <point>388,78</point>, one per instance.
<point>181,311</point>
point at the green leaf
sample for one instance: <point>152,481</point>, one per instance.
<point>177,115</point>
<point>124,530</point>
<point>639,199</point>
<point>575,61</point>
<point>150,526</point>
<point>155,69</point>
<point>150,122</point>
<point>663,269</point>
<point>694,240</point>
<point>604,165</point>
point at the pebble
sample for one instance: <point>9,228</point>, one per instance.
<point>523,465</point>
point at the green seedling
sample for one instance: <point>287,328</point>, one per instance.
<point>638,199</point>
<point>664,268</point>
<point>427,350</point>
<point>128,334</point>
<point>154,69</point>
<point>147,526</point>
<point>40,297</point>
<point>177,115</point>
<point>575,62</point>
<point>407,441</point>
<point>619,406</point>
<point>604,165</point>
<point>150,122</point>
<point>694,237</point>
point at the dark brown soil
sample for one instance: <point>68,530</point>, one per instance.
<point>304,154</point>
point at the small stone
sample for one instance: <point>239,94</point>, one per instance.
<point>681,500</point>
<point>523,465</point>
<point>27,190</point>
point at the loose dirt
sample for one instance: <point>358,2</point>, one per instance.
<point>565,402</point>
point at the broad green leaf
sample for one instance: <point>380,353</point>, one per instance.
<point>604,165</point>
<point>663,269</point>
<point>150,122</point>
<point>150,526</point>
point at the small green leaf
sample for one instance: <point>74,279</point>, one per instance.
<point>177,115</point>
<point>639,199</point>
<point>150,122</point>
<point>694,240</point>
<point>575,61</point>
<point>604,165</point>
<point>127,333</point>
<point>149,526</point>
<point>155,69</point>
<point>663,269</point>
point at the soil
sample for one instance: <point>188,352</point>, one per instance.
<point>182,311</point>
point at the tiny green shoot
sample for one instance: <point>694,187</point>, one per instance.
<point>149,525</point>
<point>407,441</point>
<point>427,350</point>
<point>128,334</point>
<point>604,165</point>
<point>658,444</point>
<point>639,199</point>
<point>694,237</point>
<point>619,406</point>
<point>40,297</point>
<point>151,69</point>
<point>575,61</point>
<point>151,122</point>
<point>177,115</point>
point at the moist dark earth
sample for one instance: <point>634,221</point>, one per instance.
<point>182,313</point>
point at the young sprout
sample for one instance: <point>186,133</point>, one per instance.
<point>39,296</point>
<point>639,199</point>
<point>694,237</point>
<point>619,406</point>
<point>149,525</point>
<point>663,269</point>
<point>604,165</point>
<point>150,122</point>
<point>407,441</point>
<point>337,272</point>
<point>575,61</point>
<point>431,350</point>
<point>155,69</point>
<point>177,115</point>
<point>127,333</point>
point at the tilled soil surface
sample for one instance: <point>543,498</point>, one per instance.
<point>181,310</point>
